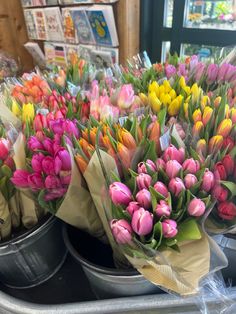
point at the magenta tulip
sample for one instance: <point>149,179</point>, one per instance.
<point>121,230</point>
<point>190,180</point>
<point>173,167</point>
<point>170,71</point>
<point>120,194</point>
<point>52,182</point>
<point>176,186</point>
<point>48,165</point>
<point>4,148</point>
<point>144,167</point>
<point>20,178</point>
<point>143,197</point>
<point>54,194</point>
<point>172,153</point>
<point>161,188</point>
<point>142,222</point>
<point>169,228</point>
<point>70,128</point>
<point>62,161</point>
<point>208,181</point>
<point>36,162</point>
<point>191,166</point>
<point>34,144</point>
<point>132,207</point>
<point>35,181</point>
<point>48,145</point>
<point>143,181</point>
<point>196,207</point>
<point>162,209</point>
<point>56,126</point>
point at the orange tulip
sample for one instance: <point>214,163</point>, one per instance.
<point>197,115</point>
<point>140,133</point>
<point>207,113</point>
<point>81,163</point>
<point>155,133</point>
<point>215,143</point>
<point>126,138</point>
<point>197,128</point>
<point>217,101</point>
<point>107,143</point>
<point>225,127</point>
<point>124,155</point>
<point>87,148</point>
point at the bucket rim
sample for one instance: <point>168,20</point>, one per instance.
<point>100,269</point>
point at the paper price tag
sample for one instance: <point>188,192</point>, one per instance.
<point>43,111</point>
<point>139,111</point>
<point>165,140</point>
<point>74,90</point>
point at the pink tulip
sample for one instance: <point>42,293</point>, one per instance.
<point>50,116</point>
<point>52,182</point>
<point>4,148</point>
<point>143,181</point>
<point>20,178</point>
<point>160,164</point>
<point>191,166</point>
<point>48,145</point>
<point>227,210</point>
<point>144,167</point>
<point>222,72</point>
<point>228,164</point>
<point>190,180</point>
<point>121,230</point>
<point>48,166</point>
<point>161,188</point>
<point>120,194</point>
<point>169,228</point>
<point>208,181</point>
<point>170,71</point>
<point>173,167</point>
<point>196,207</point>
<point>59,115</point>
<point>199,71</point>
<point>62,161</point>
<point>162,209</point>
<point>40,122</point>
<point>220,193</point>
<point>35,181</point>
<point>143,197</point>
<point>36,162</point>
<point>176,186</point>
<point>172,153</point>
<point>212,72</point>
<point>125,96</point>
<point>132,207</point>
<point>54,194</point>
<point>34,144</point>
<point>229,73</point>
<point>142,222</point>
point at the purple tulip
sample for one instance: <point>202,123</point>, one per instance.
<point>172,153</point>
<point>208,181</point>
<point>54,194</point>
<point>191,166</point>
<point>120,194</point>
<point>222,72</point>
<point>48,145</point>
<point>160,164</point>
<point>52,182</point>
<point>20,178</point>
<point>190,180</point>
<point>62,161</point>
<point>35,181</point>
<point>176,185</point>
<point>199,71</point>
<point>182,70</point>
<point>196,207</point>
<point>142,222</point>
<point>36,162</point>
<point>162,209</point>
<point>34,144</point>
<point>56,126</point>
<point>143,167</point>
<point>143,197</point>
<point>212,72</point>
<point>132,207</point>
<point>169,228</point>
<point>143,181</point>
<point>173,167</point>
<point>121,230</point>
<point>170,71</point>
<point>48,166</point>
<point>161,188</point>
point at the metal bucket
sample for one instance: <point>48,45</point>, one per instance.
<point>227,243</point>
<point>96,260</point>
<point>33,257</point>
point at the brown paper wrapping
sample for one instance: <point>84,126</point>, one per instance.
<point>15,211</point>
<point>5,225</point>
<point>97,187</point>
<point>77,208</point>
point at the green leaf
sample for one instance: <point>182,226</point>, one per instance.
<point>162,119</point>
<point>188,230</point>
<point>155,194</point>
<point>194,154</point>
<point>42,201</point>
<point>157,234</point>
<point>115,177</point>
<point>231,186</point>
<point>151,152</point>
<point>6,171</point>
<point>171,242</point>
<point>3,188</point>
<point>70,112</point>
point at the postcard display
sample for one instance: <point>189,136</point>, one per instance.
<point>71,28</point>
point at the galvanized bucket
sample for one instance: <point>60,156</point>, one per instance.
<point>96,260</point>
<point>33,257</point>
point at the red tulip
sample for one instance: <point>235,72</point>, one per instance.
<point>228,164</point>
<point>227,210</point>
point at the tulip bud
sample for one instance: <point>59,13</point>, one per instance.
<point>224,128</point>
<point>197,115</point>
<point>132,207</point>
<point>169,228</point>
<point>228,164</point>
<point>172,153</point>
<point>160,164</point>
<point>125,96</point>
<point>52,182</point>
<point>190,180</point>
<point>20,178</point>
<point>36,162</point>
<point>212,71</point>
<point>215,143</point>
<point>227,210</point>
<point>176,186</point>
<point>154,101</point>
<point>205,101</point>
<point>143,181</point>
<point>220,171</point>
<point>233,115</point>
<point>144,167</point>
<point>120,194</point>
<point>228,143</point>
<point>207,113</point>
<point>162,209</point>
<point>196,207</point>
<point>173,167</point>
<point>9,162</point>
<point>40,122</point>
<point>48,166</point>
<point>208,181</point>
<point>121,230</point>
<point>127,139</point>
<point>154,132</point>
<point>201,147</point>
<point>143,197</point>
<point>142,222</point>
<point>217,102</point>
<point>124,155</point>
<point>62,161</point>
<point>174,107</point>
<point>191,166</point>
<point>34,144</point>
<point>161,188</point>
<point>4,148</point>
<point>27,112</point>
<point>220,193</point>
<point>197,128</point>
<point>35,181</point>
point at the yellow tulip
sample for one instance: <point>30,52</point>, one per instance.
<point>224,128</point>
<point>195,91</point>
<point>215,143</point>
<point>233,115</point>
<point>161,89</point>
<point>143,98</point>
<point>154,87</point>
<point>182,82</point>
<point>197,128</point>
<point>15,108</point>
<point>154,102</point>
<point>186,109</point>
<point>217,101</point>
<point>167,86</point>
<point>197,115</point>
<point>166,99</point>
<point>227,111</point>
<point>174,107</point>
<point>28,112</point>
<point>180,99</point>
<point>172,94</point>
<point>207,113</point>
<point>205,101</point>
<point>201,147</point>
<point>187,90</point>
<point>188,99</point>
